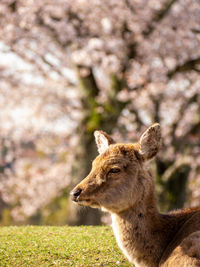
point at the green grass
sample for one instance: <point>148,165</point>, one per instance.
<point>59,246</point>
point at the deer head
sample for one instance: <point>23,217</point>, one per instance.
<point>117,179</point>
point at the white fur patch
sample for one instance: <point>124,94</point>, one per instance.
<point>102,141</point>
<point>116,231</point>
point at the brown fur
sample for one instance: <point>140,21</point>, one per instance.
<point>121,184</point>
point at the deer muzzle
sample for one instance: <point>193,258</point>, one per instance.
<point>74,194</point>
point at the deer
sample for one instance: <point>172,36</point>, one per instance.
<point>121,183</point>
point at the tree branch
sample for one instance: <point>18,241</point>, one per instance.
<point>130,48</point>
<point>157,100</point>
<point>158,17</point>
<point>128,4</point>
<point>178,141</point>
<point>185,161</point>
<point>87,81</point>
<point>186,66</point>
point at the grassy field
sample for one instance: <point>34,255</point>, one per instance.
<point>59,246</point>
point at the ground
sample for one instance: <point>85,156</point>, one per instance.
<point>59,246</point>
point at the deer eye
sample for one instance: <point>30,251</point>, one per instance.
<point>114,170</point>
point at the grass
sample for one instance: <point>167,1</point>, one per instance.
<point>59,246</point>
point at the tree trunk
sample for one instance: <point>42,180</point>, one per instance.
<point>172,183</point>
<point>86,150</point>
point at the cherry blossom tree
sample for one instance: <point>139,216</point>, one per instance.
<point>71,67</point>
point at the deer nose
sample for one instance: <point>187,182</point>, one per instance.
<point>75,194</point>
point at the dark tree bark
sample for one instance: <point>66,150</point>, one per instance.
<point>92,120</point>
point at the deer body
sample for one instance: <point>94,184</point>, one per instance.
<point>121,184</point>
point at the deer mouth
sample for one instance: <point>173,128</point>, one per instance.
<point>76,196</point>
<point>88,203</point>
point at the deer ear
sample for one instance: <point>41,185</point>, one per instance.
<point>150,141</point>
<point>103,140</point>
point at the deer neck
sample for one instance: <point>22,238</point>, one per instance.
<point>139,233</point>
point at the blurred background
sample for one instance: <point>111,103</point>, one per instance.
<point>68,68</point>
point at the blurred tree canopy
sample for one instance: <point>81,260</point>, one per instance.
<point>71,67</point>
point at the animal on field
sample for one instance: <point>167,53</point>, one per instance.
<point>121,184</point>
